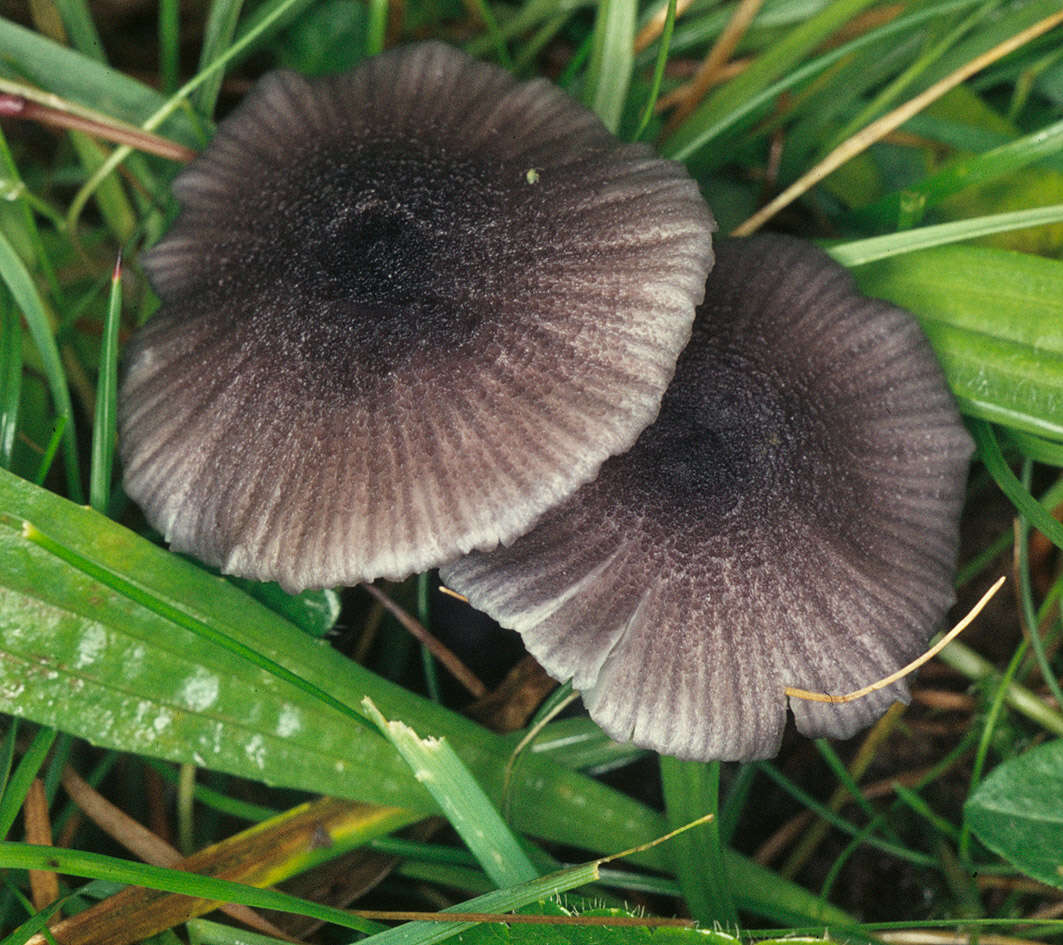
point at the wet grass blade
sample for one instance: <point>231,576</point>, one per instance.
<point>611,61</point>
<point>462,800</point>
<point>20,283</point>
<point>104,427</point>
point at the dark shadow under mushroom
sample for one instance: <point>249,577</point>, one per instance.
<point>790,519</point>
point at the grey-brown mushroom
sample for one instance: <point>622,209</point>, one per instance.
<point>404,311</point>
<point>790,519</point>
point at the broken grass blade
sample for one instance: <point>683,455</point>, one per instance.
<point>462,800</point>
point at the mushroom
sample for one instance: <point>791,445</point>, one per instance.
<point>790,519</point>
<point>404,311</point>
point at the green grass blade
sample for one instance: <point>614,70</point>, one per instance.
<point>995,319</point>
<point>991,455</point>
<point>269,18</point>
<point>611,61</point>
<point>499,901</point>
<point>17,787</point>
<point>10,379</point>
<point>462,800</point>
<point>658,70</point>
<point>691,790</point>
<point>888,95</point>
<point>218,35</point>
<point>97,866</point>
<point>169,45</point>
<point>861,252</point>
<point>376,31</point>
<point>1036,448</point>
<point>205,932</point>
<point>104,427</point>
<point>721,109</point>
<point>73,75</point>
<point>172,611</point>
<point>81,28</point>
<point>20,283</point>
<point>967,172</point>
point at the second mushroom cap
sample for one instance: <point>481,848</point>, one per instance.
<point>790,519</point>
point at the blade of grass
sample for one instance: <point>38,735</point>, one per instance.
<point>995,320</point>
<point>976,668</point>
<point>10,379</point>
<point>173,611</point>
<point>500,901</point>
<point>376,32</point>
<point>691,790</point>
<point>612,60</point>
<point>205,932</point>
<point>658,69</point>
<point>176,101</point>
<point>861,252</point>
<point>878,129</point>
<point>81,28</point>
<point>967,172</point>
<point>104,427</point>
<point>991,455</point>
<point>217,36</point>
<point>893,90</point>
<point>1037,448</point>
<point>806,799</point>
<point>1027,607</point>
<point>39,321</point>
<point>461,799</point>
<point>98,866</point>
<point>169,44</point>
<point>52,447</point>
<point>85,80</point>
<point>18,785</point>
<point>264,854</point>
<point>720,111</point>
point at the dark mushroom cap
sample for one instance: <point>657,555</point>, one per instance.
<point>790,519</point>
<point>405,310</point>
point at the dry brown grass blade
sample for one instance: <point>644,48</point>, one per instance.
<point>55,116</point>
<point>136,838</point>
<point>707,75</point>
<point>454,666</point>
<point>44,886</point>
<point>655,26</point>
<point>262,855</point>
<point>878,129</point>
<point>904,670</point>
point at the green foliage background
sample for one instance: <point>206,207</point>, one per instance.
<point>108,640</point>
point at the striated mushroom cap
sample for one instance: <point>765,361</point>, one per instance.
<point>790,519</point>
<point>405,311</point>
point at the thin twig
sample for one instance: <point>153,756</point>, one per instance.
<point>904,670</point>
<point>454,666</point>
<point>18,106</point>
<point>140,841</point>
